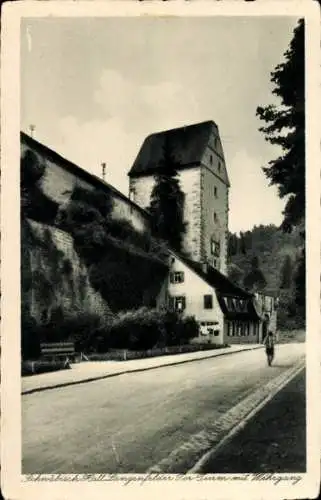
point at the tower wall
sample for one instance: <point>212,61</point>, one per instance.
<point>190,183</point>
<point>214,203</point>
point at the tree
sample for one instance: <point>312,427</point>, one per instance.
<point>235,274</point>
<point>35,204</point>
<point>255,279</point>
<point>286,128</point>
<point>300,283</point>
<point>167,202</point>
<point>286,273</point>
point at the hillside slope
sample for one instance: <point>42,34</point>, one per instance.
<point>273,248</point>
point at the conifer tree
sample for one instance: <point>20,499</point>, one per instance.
<point>285,127</point>
<point>167,202</point>
<point>286,273</point>
<point>255,279</point>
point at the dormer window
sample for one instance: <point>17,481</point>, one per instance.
<point>176,277</point>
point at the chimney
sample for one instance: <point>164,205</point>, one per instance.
<point>32,129</point>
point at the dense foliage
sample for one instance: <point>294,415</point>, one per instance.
<point>255,279</point>
<point>167,202</point>
<point>285,127</point>
<point>127,267</point>
<point>273,248</point>
<point>34,203</point>
<point>146,328</point>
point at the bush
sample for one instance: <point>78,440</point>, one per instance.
<point>139,329</point>
<point>30,339</point>
<point>145,328</point>
<point>81,329</point>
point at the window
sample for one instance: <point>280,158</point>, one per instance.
<point>215,191</point>
<point>215,248</point>
<point>178,303</point>
<point>215,216</point>
<point>176,277</point>
<point>236,305</point>
<point>219,166</point>
<point>208,301</point>
<point>214,263</point>
<point>211,159</point>
<point>229,304</point>
<point>216,333</point>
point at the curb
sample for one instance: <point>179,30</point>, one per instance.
<point>109,375</point>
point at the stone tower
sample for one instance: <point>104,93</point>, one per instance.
<point>202,173</point>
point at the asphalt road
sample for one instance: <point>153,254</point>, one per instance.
<point>127,423</point>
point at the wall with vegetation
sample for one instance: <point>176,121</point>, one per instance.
<point>54,279</point>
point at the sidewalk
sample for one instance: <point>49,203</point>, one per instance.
<point>273,441</point>
<point>94,370</point>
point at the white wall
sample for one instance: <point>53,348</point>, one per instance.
<point>194,289</point>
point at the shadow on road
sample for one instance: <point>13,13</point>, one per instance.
<point>281,365</point>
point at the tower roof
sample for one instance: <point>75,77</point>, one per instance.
<point>187,145</point>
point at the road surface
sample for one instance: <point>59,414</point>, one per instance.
<point>128,423</point>
<point>262,447</point>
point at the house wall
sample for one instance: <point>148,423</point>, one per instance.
<point>266,307</point>
<point>252,338</point>
<point>194,289</point>
<point>58,184</point>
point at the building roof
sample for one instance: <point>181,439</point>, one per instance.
<point>224,288</point>
<point>186,145</point>
<point>214,278</point>
<point>76,170</point>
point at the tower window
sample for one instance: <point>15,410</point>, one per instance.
<point>211,159</point>
<point>215,248</point>
<point>219,166</point>
<point>208,301</point>
<point>215,191</point>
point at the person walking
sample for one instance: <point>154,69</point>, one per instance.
<point>269,343</point>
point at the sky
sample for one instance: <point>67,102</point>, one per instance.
<point>94,88</point>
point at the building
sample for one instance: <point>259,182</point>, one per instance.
<point>194,284</point>
<point>226,314</point>
<point>198,153</point>
<point>197,285</point>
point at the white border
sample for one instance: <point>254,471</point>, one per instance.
<point>10,251</point>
